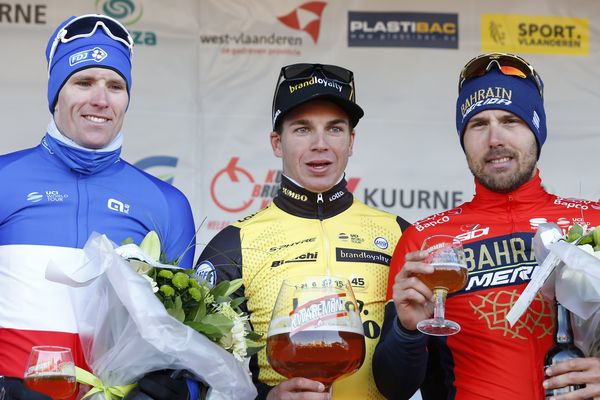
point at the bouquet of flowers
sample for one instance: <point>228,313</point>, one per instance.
<point>191,300</point>
<point>126,330</point>
<point>576,281</point>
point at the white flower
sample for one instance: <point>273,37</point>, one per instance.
<point>152,283</point>
<point>234,340</point>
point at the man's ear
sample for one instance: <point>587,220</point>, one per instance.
<point>276,144</point>
<point>352,135</point>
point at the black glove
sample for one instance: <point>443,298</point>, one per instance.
<point>160,385</point>
<point>15,389</point>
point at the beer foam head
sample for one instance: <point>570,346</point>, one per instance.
<point>496,91</point>
<point>292,93</point>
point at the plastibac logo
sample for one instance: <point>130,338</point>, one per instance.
<point>307,18</point>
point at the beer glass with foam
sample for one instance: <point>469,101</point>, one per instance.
<point>316,330</point>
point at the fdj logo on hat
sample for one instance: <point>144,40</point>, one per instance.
<point>316,81</point>
<point>95,54</point>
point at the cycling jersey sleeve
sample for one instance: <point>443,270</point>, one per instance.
<point>400,358</point>
<point>181,237</point>
<point>221,260</point>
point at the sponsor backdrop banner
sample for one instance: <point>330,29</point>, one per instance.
<point>205,71</point>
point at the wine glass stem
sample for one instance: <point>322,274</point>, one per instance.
<point>440,299</point>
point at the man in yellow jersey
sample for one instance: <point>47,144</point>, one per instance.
<point>313,221</point>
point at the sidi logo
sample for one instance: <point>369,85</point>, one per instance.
<point>306,17</point>
<point>119,206</point>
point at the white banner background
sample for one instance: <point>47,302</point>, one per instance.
<point>202,96</point>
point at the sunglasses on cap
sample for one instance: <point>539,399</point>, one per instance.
<point>301,71</point>
<point>508,64</point>
<point>86,26</point>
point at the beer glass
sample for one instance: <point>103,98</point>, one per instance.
<point>447,256</point>
<point>51,370</point>
<point>315,330</point>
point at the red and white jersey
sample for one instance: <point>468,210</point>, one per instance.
<point>33,310</point>
<point>489,359</point>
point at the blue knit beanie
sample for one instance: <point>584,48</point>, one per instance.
<point>96,51</point>
<point>496,91</point>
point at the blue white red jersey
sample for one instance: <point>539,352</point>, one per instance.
<point>46,203</point>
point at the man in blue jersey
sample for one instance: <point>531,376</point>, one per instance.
<point>75,183</point>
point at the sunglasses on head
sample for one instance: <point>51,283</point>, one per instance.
<point>87,25</point>
<point>508,64</point>
<point>303,71</point>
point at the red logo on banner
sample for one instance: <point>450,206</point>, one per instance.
<point>352,184</point>
<point>234,189</point>
<point>306,17</point>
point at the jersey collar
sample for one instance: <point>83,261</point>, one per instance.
<point>300,202</point>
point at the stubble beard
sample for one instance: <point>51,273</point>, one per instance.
<point>504,182</point>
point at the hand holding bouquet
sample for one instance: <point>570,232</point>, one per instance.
<point>126,331</point>
<point>191,300</point>
<point>576,283</point>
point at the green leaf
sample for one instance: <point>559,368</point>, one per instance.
<point>252,348</point>
<point>220,289</point>
<point>176,313</point>
<point>199,312</point>
<point>575,231</point>
<point>236,302</point>
<point>596,235</point>
<point>233,286</point>
<point>222,299</point>
<point>212,325</point>
<point>218,323</point>
<point>587,239</point>
<point>252,336</point>
<point>151,245</point>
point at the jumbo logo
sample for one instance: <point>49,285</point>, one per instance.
<point>294,195</point>
<point>128,12</point>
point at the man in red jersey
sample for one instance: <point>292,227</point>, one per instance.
<point>502,126</point>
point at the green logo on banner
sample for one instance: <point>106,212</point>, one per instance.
<point>128,12</point>
<point>123,10</point>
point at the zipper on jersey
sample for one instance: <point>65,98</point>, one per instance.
<point>320,204</point>
<point>510,201</point>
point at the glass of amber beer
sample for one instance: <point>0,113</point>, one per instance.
<point>315,330</point>
<point>51,370</point>
<point>447,256</point>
